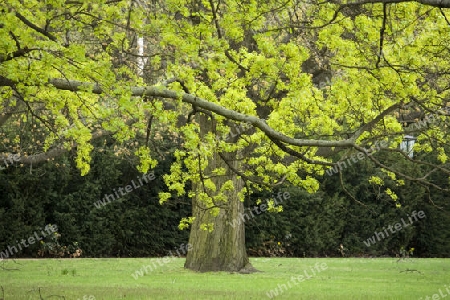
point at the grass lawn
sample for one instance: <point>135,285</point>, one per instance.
<point>330,278</point>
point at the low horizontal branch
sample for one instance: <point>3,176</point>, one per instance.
<point>157,91</point>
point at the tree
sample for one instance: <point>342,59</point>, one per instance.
<point>309,79</point>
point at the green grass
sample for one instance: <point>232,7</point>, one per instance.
<point>344,278</point>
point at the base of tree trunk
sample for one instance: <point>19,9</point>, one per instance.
<point>248,269</point>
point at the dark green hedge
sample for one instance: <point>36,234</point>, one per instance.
<point>310,225</point>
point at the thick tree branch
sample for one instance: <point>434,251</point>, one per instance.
<point>382,30</point>
<point>58,151</point>
<point>159,91</point>
<point>156,91</point>
<point>36,28</point>
<point>368,126</point>
<point>300,155</point>
<point>15,54</point>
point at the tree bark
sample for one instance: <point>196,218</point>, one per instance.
<point>222,249</point>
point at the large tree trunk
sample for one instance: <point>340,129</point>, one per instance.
<point>222,249</point>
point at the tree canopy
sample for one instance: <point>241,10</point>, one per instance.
<point>317,81</point>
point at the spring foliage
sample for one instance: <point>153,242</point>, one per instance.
<point>250,58</point>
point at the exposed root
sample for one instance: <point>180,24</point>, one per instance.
<point>248,269</point>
